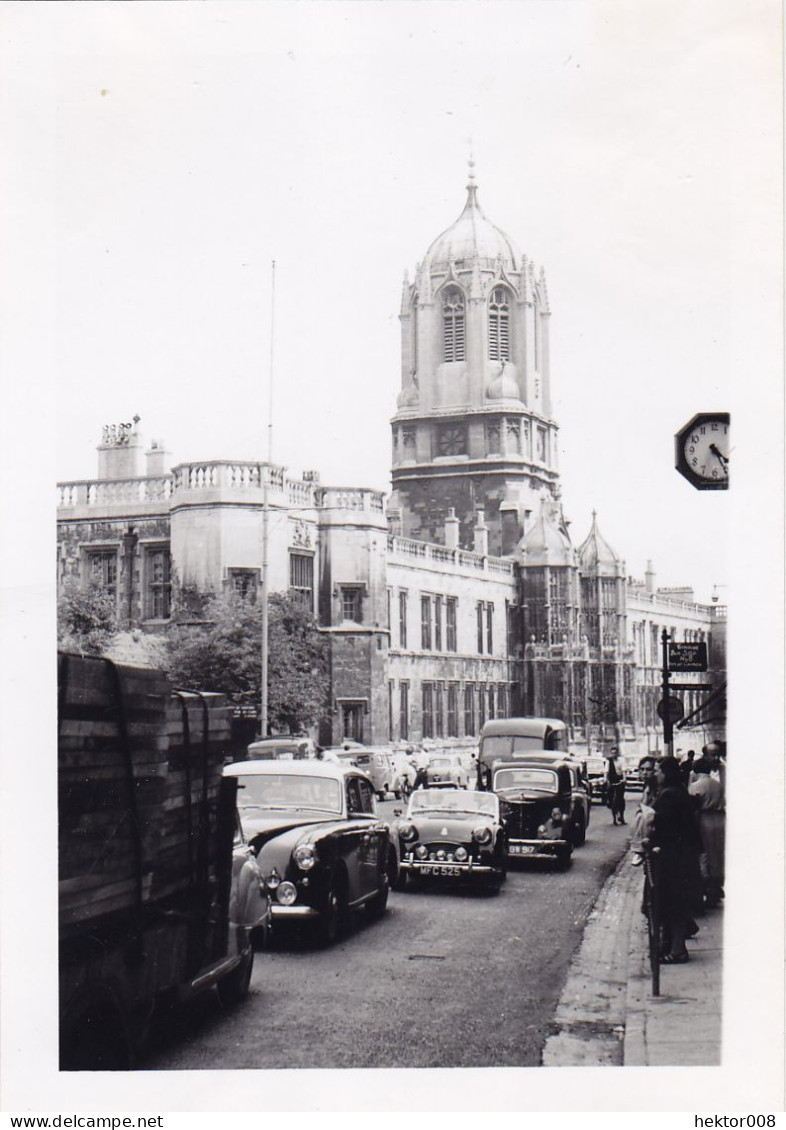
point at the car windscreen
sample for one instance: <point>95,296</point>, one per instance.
<point>284,791</point>
<point>539,780</point>
<point>439,800</point>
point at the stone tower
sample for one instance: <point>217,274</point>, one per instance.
<point>473,429</point>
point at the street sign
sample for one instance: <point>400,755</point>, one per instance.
<point>670,709</point>
<point>691,687</point>
<point>687,656</point>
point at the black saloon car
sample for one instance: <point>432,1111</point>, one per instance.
<point>320,846</point>
<point>544,805</point>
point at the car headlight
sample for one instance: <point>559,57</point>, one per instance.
<point>273,880</point>
<point>408,832</point>
<point>461,854</point>
<point>305,856</point>
<point>421,851</point>
<point>482,834</point>
<point>286,893</point>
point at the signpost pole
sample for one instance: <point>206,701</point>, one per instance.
<point>668,725</point>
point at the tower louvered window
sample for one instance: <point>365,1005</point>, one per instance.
<point>499,325</point>
<point>453,324</point>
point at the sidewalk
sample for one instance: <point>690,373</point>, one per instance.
<point>607,1014</point>
<point>682,1026</point>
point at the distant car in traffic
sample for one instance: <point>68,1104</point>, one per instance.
<point>451,834</point>
<point>596,779</point>
<point>281,747</point>
<point>445,770</point>
<point>319,844</point>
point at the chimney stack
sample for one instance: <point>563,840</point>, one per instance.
<point>481,535</point>
<point>452,530</point>
<point>649,579</point>
<point>157,458</point>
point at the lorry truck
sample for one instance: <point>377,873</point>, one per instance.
<point>158,893</point>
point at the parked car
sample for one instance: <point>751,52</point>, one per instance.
<point>319,844</point>
<point>531,787</point>
<point>445,770</point>
<point>451,834</point>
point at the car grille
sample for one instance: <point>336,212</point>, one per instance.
<point>443,853</point>
<point>523,820</point>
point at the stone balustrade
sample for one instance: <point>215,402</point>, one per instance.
<point>97,493</point>
<point>441,555</point>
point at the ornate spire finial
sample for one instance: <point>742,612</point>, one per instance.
<point>472,188</point>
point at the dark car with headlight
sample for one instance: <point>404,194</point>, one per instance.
<point>451,834</point>
<point>532,789</point>
<point>322,850</point>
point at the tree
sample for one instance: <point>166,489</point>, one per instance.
<point>86,618</point>
<point>223,653</point>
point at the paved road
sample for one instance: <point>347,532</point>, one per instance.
<point>448,978</point>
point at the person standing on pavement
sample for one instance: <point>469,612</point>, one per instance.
<point>675,833</point>
<point>615,787</point>
<point>710,797</point>
<point>686,767</point>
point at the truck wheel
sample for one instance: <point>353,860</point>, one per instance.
<point>233,988</point>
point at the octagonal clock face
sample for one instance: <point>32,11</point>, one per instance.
<point>702,451</point>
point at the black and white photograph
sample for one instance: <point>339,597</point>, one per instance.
<point>393,594</point>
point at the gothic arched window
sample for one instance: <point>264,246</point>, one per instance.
<point>452,324</point>
<point>499,329</point>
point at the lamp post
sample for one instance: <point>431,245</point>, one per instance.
<point>263,695</point>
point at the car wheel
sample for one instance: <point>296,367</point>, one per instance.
<point>382,793</point>
<point>333,919</point>
<point>564,861</point>
<point>579,831</point>
<point>233,988</point>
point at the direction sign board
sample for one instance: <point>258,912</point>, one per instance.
<point>688,656</point>
<point>670,709</point>
<point>691,687</point>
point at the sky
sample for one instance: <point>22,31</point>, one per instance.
<point>196,144</point>
<point>159,157</point>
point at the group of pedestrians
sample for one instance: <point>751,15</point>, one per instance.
<point>681,819</point>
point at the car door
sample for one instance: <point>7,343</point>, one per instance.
<point>352,843</point>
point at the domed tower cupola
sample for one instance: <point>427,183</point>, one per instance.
<point>473,426</point>
<point>602,582</point>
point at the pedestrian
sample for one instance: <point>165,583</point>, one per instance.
<point>675,833</point>
<point>615,787</point>
<point>642,822</point>
<point>710,797</point>
<point>686,767</point>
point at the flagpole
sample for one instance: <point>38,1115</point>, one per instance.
<point>263,697</point>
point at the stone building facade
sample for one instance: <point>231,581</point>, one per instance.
<point>459,598</point>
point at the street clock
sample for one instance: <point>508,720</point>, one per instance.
<point>701,450</point>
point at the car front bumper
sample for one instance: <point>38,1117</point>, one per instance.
<point>293,911</point>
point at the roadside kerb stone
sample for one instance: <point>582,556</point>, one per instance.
<point>591,1015</point>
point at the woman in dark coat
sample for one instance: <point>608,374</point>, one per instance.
<point>675,833</point>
